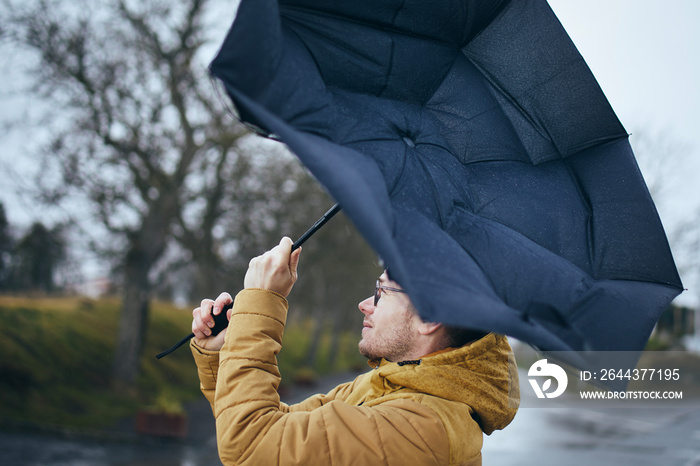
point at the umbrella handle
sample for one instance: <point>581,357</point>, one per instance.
<point>220,321</point>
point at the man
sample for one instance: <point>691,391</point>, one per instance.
<point>423,403</point>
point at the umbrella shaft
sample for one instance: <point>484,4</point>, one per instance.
<point>322,221</point>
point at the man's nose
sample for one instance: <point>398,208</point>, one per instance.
<point>367,306</point>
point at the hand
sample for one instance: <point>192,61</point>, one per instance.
<point>203,322</point>
<point>276,270</point>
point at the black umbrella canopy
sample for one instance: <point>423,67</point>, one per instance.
<point>472,147</point>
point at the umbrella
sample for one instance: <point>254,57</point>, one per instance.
<point>470,144</point>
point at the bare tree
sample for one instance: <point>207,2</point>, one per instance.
<point>660,156</point>
<point>140,132</point>
<point>665,162</point>
<point>179,185</point>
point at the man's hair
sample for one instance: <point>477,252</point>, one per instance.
<point>457,337</point>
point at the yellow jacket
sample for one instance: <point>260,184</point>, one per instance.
<point>431,411</point>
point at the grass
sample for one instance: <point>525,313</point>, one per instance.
<point>57,355</point>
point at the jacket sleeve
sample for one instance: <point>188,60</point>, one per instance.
<point>208,366</point>
<point>207,369</point>
<point>254,429</point>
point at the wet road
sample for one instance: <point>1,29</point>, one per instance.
<point>35,450</point>
<point>619,437</point>
<point>121,447</point>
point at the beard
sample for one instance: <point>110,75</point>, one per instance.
<point>391,343</point>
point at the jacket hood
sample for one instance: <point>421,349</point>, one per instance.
<point>481,374</point>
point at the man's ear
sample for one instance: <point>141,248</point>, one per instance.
<point>427,328</point>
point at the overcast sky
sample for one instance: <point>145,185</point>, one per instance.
<point>644,53</point>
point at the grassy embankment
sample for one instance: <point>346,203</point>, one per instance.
<point>56,356</point>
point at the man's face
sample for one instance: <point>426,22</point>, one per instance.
<point>389,328</point>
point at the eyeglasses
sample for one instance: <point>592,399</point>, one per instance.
<point>379,287</point>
